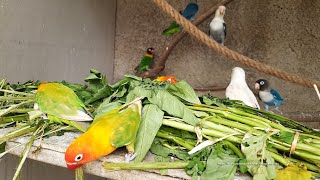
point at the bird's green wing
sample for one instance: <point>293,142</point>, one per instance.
<point>60,101</point>
<point>126,125</point>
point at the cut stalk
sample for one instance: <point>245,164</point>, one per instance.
<point>175,139</point>
<point>145,165</point>
<point>211,125</point>
<point>79,174</point>
<point>210,132</point>
<point>25,153</point>
<point>17,133</point>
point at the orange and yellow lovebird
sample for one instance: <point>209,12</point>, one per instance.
<point>61,104</point>
<point>107,132</point>
<point>170,79</point>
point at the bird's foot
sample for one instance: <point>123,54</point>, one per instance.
<point>277,109</point>
<point>130,156</point>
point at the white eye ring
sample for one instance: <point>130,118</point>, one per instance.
<point>78,157</point>
<point>169,80</point>
<point>262,83</point>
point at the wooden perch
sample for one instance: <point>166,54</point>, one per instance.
<point>158,64</point>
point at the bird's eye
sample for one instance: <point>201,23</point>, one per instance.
<point>78,157</point>
<point>169,80</point>
<point>262,83</point>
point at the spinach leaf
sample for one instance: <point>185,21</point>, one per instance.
<point>151,121</point>
<point>260,163</point>
<point>184,91</point>
<point>173,106</point>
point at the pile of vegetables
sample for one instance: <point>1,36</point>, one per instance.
<point>207,136</point>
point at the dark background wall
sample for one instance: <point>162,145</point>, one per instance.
<point>284,34</point>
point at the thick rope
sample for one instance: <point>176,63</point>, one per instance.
<point>194,31</point>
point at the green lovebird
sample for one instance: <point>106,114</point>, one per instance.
<point>146,60</point>
<point>109,131</point>
<point>61,104</point>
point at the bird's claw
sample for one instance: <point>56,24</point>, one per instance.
<point>129,157</point>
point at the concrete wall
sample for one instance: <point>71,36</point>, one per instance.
<point>53,40</point>
<point>284,34</point>
<point>56,39</point>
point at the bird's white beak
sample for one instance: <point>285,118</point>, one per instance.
<point>257,86</point>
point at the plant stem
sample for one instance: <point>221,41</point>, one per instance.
<point>174,139</point>
<point>279,158</point>
<point>145,165</point>
<point>11,98</point>
<point>217,127</point>
<point>15,118</point>
<point>26,152</point>
<point>210,132</point>
<point>79,174</point>
<point>17,133</point>
<point>235,149</point>
<point>231,116</point>
<point>233,124</point>
<point>307,164</point>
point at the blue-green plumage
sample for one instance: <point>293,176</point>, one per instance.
<point>189,12</point>
<point>269,96</point>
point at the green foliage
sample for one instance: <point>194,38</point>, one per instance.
<point>284,136</point>
<point>151,121</point>
<point>184,91</point>
<point>260,163</point>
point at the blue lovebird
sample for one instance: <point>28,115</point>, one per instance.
<point>189,12</point>
<point>267,95</point>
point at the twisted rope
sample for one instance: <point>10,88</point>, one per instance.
<point>233,55</point>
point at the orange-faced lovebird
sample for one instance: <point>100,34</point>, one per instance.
<point>218,28</point>
<point>169,79</point>
<point>109,131</point>
<point>269,96</point>
<point>146,60</point>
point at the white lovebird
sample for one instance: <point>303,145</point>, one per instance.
<point>239,90</point>
<point>218,28</point>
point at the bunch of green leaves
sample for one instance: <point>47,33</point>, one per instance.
<point>160,98</point>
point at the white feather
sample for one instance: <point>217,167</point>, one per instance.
<point>239,90</point>
<point>81,116</point>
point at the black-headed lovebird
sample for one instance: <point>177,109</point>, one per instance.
<point>269,96</point>
<point>146,60</point>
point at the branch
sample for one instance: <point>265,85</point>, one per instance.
<point>158,64</point>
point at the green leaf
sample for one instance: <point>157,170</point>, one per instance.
<point>100,94</point>
<point>173,106</point>
<point>220,165</point>
<point>158,149</point>
<point>184,91</point>
<point>133,77</point>
<point>151,121</point>
<point>260,163</point>
<point>139,92</point>
<point>284,136</point>
<point>105,107</point>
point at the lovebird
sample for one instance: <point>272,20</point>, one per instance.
<point>269,96</point>
<point>217,27</point>
<point>145,62</point>
<point>107,132</point>
<point>239,90</point>
<point>61,104</point>
<point>189,12</point>
<point>170,79</point>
